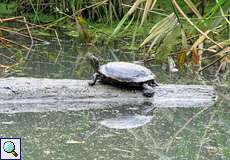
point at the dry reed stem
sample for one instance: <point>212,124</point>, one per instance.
<point>20,34</point>
<point>151,11</point>
<point>31,38</point>
<point>192,24</point>
<point>10,41</point>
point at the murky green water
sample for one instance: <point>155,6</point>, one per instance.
<point>172,133</point>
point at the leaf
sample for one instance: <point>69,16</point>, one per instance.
<point>195,57</point>
<point>181,59</point>
<point>193,8</point>
<point>131,10</point>
<point>166,45</point>
<point>117,29</point>
<point>154,42</point>
<point>198,41</point>
<point>83,30</point>
<point>214,9</point>
<point>147,7</point>
<point>45,18</point>
<point>134,7</point>
<point>153,4</point>
<point>162,27</point>
<point>223,53</point>
<point>172,65</point>
<point>9,8</point>
<point>223,43</point>
<point>223,67</point>
<point>164,22</point>
<point>72,33</point>
<point>191,23</point>
<point>183,39</point>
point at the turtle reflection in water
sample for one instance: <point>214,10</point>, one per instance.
<point>126,122</point>
<point>124,74</point>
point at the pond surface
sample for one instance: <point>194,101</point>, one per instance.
<point>163,133</point>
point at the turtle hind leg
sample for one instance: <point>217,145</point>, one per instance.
<point>95,78</point>
<point>153,83</point>
<point>148,90</point>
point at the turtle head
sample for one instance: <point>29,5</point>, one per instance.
<point>93,61</point>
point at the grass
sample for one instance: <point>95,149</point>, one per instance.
<point>145,22</point>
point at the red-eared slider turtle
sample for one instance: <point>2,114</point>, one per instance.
<point>124,74</point>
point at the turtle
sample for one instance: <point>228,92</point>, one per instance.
<point>123,74</point>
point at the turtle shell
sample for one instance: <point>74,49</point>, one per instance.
<point>126,72</point>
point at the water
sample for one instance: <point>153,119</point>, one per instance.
<point>164,133</point>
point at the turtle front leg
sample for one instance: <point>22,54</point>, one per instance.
<point>96,77</point>
<point>148,90</point>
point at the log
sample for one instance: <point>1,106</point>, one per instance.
<point>38,95</point>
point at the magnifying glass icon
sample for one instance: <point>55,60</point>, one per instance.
<point>9,147</point>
